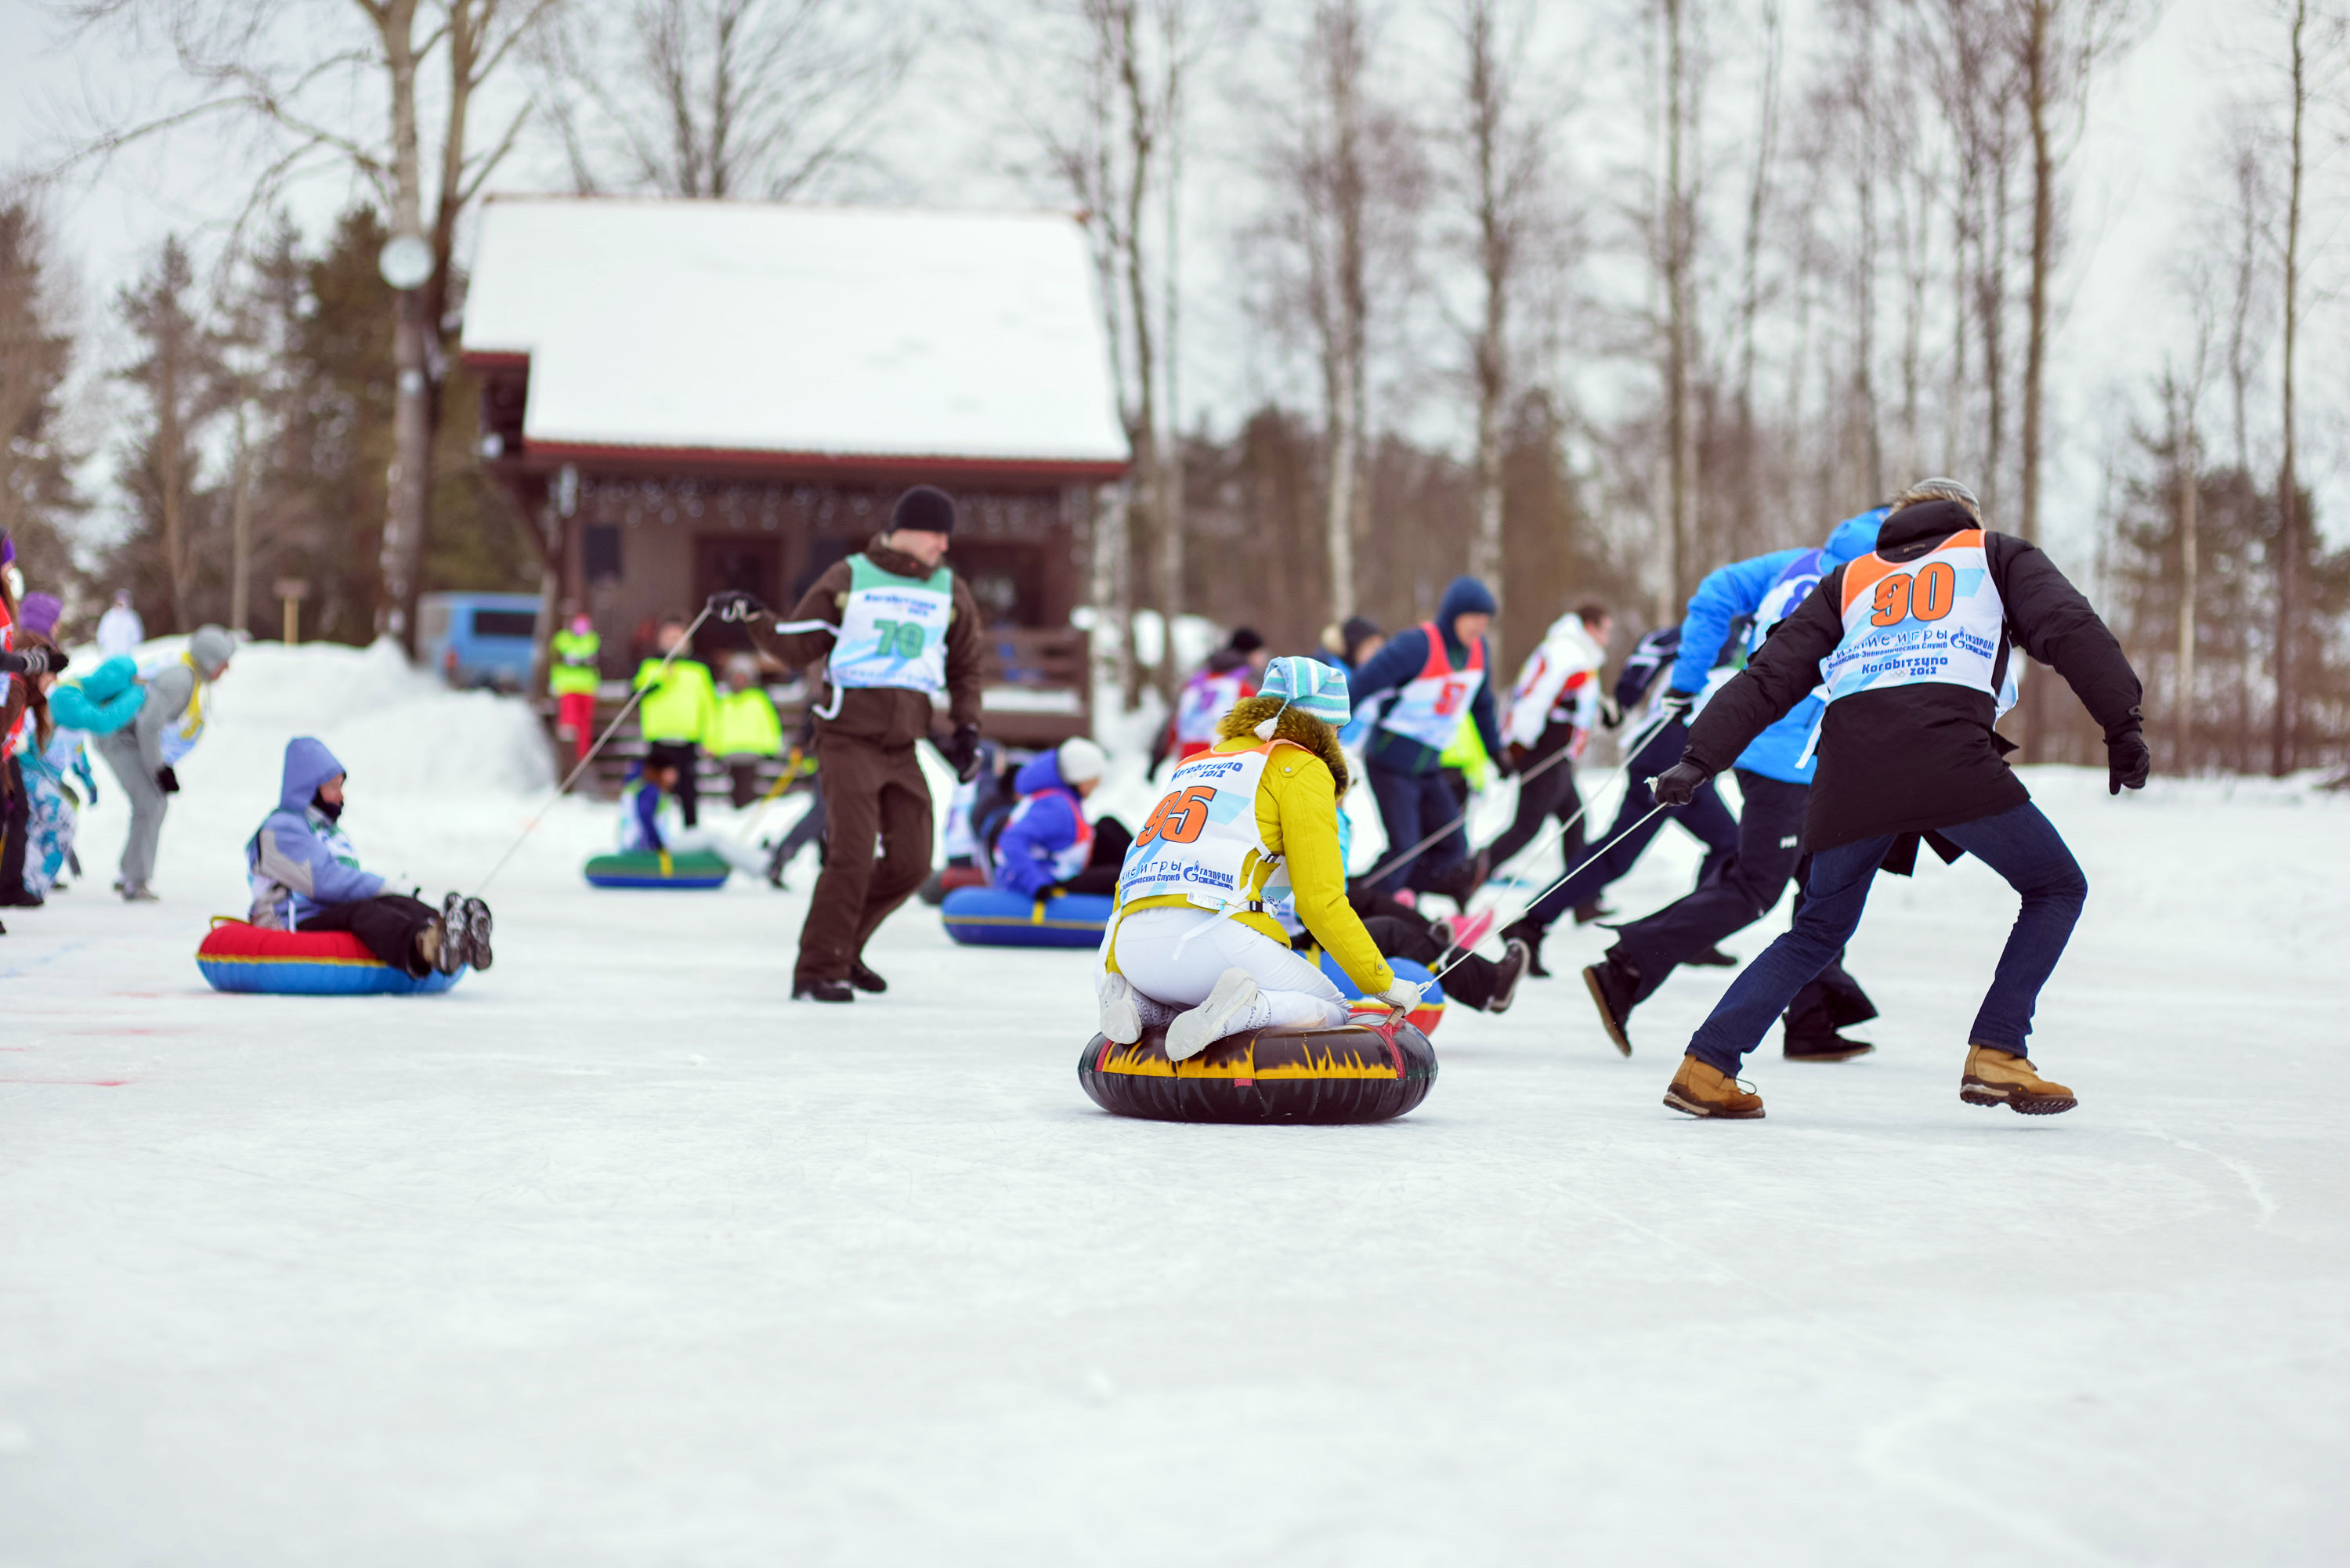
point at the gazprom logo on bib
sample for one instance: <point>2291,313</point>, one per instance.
<point>1201,873</point>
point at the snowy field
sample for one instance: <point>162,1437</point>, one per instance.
<point>615,1255</point>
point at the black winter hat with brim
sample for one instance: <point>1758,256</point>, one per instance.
<point>924,508</point>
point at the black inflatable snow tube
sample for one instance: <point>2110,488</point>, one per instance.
<point>1324,1077</point>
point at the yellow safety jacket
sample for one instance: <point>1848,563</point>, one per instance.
<point>745,725</point>
<point>679,703</point>
<point>572,670</point>
<point>1298,817</point>
<point>1467,753</point>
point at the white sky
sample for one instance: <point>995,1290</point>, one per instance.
<point>2141,161</point>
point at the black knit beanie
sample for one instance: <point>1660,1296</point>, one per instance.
<point>924,509</point>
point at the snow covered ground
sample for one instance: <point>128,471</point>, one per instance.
<point>615,1256</point>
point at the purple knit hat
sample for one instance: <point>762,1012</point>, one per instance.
<point>38,614</point>
<point>7,548</point>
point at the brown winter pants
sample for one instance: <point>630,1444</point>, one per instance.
<point>868,791</point>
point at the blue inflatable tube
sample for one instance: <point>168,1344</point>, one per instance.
<point>990,918</point>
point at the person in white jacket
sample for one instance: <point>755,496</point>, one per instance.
<point>1550,714</point>
<point>120,629</point>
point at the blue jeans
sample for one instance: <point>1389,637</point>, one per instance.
<point>2019,844</point>
<point>1411,806</point>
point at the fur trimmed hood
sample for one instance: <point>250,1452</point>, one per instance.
<point>1302,728</point>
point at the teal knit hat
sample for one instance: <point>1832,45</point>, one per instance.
<point>1308,683</point>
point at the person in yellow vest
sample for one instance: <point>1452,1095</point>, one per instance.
<point>571,680</point>
<point>1248,832</point>
<point>675,717</point>
<point>745,727</point>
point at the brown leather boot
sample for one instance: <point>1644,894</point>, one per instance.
<point>1701,1090</point>
<point>1997,1077</point>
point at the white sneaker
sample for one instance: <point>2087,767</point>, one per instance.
<point>1121,1020</point>
<point>1234,997</point>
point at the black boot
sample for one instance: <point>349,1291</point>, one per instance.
<point>1828,1047</point>
<point>1712,958</point>
<point>1531,935</point>
<point>1595,910</point>
<point>864,979</point>
<point>822,990</point>
<point>1611,984</point>
<point>1460,883</point>
<point>1515,960</point>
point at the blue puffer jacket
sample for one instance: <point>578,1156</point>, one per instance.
<point>1047,840</point>
<point>1735,607</point>
<point>299,861</point>
<point>1399,664</point>
<point>101,702</point>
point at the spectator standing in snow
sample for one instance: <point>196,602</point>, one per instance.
<point>120,629</point>
<point>907,627</point>
<point>649,824</point>
<point>27,660</point>
<point>98,703</point>
<point>679,706</point>
<point>1775,780</point>
<point>1552,712</point>
<point>146,754</point>
<point>745,728</point>
<point>1229,676</point>
<point>572,677</point>
<point>1436,673</point>
<point>306,877</point>
<point>1048,844</point>
<point>1916,643</point>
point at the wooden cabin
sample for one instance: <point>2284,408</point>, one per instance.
<point>729,395</point>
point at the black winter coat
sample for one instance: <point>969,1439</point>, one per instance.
<point>1912,759</point>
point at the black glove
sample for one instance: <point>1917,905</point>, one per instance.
<point>1677,786</point>
<point>1676,705</point>
<point>35,661</point>
<point>166,780</point>
<point>739,608</point>
<point>2127,762</point>
<point>1516,755</point>
<point>961,752</point>
<point>1611,711</point>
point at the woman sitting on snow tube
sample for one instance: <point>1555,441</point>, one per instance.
<point>307,878</point>
<point>1246,828</point>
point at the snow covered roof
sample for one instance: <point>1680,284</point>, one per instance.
<point>745,328</point>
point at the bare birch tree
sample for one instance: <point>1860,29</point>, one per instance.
<point>260,63</point>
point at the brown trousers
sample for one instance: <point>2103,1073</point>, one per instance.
<point>869,791</point>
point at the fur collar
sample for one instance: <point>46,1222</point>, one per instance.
<point>1296,726</point>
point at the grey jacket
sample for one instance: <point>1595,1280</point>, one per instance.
<point>168,690</point>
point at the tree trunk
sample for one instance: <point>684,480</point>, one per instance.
<point>2281,740</point>
<point>2191,488</point>
<point>1679,434</point>
<point>2038,85</point>
<point>1495,256</point>
<point>402,558</point>
<point>240,544</point>
<point>1343,384</point>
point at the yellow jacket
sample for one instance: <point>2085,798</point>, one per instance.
<point>678,705</point>
<point>1297,816</point>
<point>745,725</point>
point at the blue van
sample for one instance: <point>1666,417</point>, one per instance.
<point>478,640</point>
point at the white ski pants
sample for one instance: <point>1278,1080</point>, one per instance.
<point>1175,956</point>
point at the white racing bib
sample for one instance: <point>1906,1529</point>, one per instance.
<point>893,629</point>
<point>1935,620</point>
<point>1204,700</point>
<point>1201,842</point>
<point>1430,708</point>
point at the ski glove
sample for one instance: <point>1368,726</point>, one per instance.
<point>2127,762</point>
<point>1679,784</point>
<point>1611,711</point>
<point>1676,705</point>
<point>166,780</point>
<point>739,608</point>
<point>1403,994</point>
<point>961,752</point>
<point>35,661</point>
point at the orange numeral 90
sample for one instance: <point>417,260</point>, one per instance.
<point>1935,591</point>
